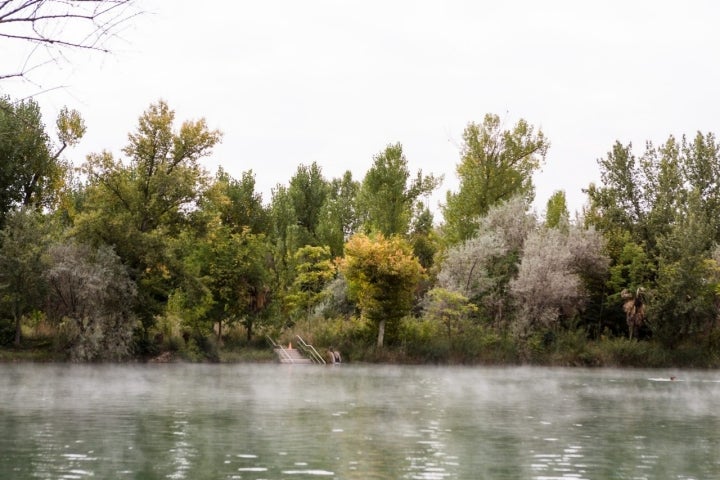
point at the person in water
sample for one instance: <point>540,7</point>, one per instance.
<point>333,356</point>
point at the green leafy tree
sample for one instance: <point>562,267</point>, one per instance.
<point>23,242</point>
<point>666,187</point>
<point>191,306</point>
<point>282,212</point>
<point>31,172</point>
<point>663,203</point>
<point>631,271</point>
<point>226,281</point>
<point>286,237</point>
<point>685,298</point>
<point>496,165</point>
<point>556,213</point>
<point>423,238</point>
<point>620,198</point>
<point>70,129</point>
<point>684,302</point>
<point>383,275</point>
<point>338,215</point>
<point>237,275</point>
<point>140,205</point>
<point>236,203</point>
<point>700,164</point>
<point>639,195</point>
<point>315,270</point>
<point>451,309</point>
<point>296,212</point>
<point>308,191</point>
<point>388,197</point>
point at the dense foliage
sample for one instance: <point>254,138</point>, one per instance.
<point>150,254</point>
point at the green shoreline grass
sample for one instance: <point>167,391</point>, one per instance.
<point>607,353</point>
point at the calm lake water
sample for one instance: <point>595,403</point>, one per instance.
<point>356,422</point>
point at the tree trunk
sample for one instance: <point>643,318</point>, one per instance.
<point>381,333</point>
<point>449,335</point>
<point>248,325</point>
<point>18,330</point>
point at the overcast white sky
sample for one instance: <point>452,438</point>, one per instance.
<point>294,82</point>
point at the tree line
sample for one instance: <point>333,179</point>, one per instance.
<point>129,257</point>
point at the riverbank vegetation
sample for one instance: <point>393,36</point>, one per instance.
<point>150,256</point>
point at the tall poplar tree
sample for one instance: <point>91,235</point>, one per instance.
<point>308,191</point>
<point>388,195</point>
<point>338,216</point>
<point>496,164</point>
<point>556,212</point>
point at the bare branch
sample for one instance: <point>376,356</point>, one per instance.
<point>61,26</point>
<point>51,41</point>
<point>11,75</point>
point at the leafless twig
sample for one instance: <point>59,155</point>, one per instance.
<point>57,26</point>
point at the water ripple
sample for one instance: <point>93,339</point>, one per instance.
<point>323,473</point>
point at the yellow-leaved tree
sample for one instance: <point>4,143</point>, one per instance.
<point>382,275</point>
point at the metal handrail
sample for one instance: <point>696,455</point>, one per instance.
<point>286,355</point>
<point>310,350</point>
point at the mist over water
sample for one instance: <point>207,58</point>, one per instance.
<point>355,422</point>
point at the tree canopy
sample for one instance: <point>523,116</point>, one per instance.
<point>496,165</point>
<point>388,197</point>
<point>147,253</point>
<point>382,275</point>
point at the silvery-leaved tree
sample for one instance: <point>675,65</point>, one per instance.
<point>91,298</point>
<point>551,279</point>
<point>481,267</point>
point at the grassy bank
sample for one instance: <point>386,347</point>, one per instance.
<point>422,342</point>
<point>31,350</point>
<point>414,342</point>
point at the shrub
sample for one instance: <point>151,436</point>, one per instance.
<point>423,340</point>
<point>623,352</point>
<point>485,345</point>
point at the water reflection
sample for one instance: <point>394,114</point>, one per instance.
<point>429,460</point>
<point>355,422</point>
<point>182,452</point>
